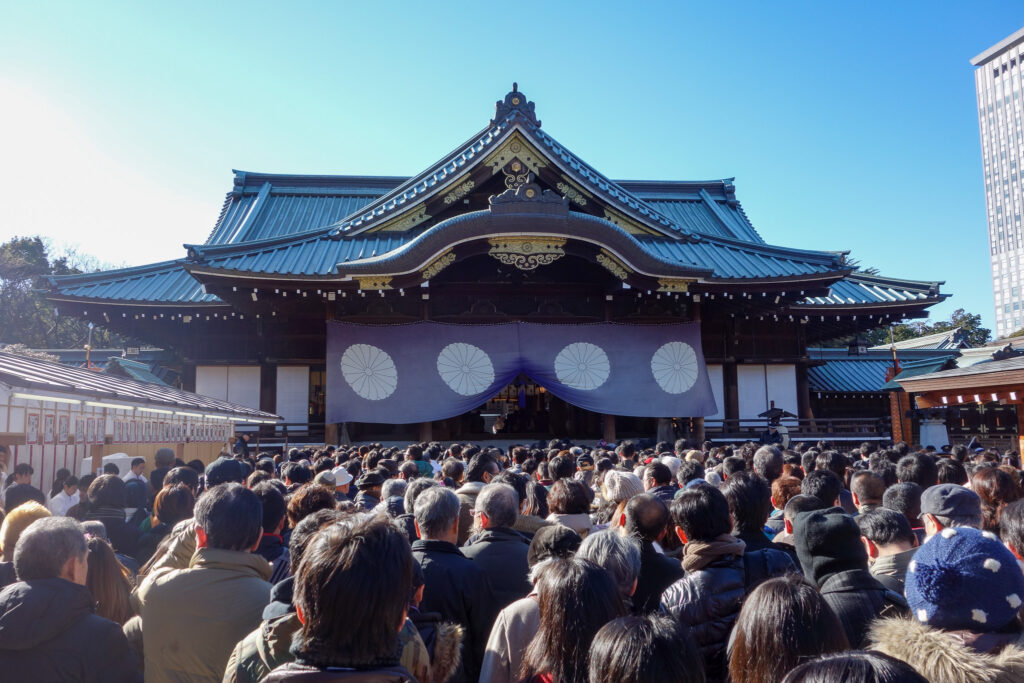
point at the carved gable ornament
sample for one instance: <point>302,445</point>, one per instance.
<point>527,252</point>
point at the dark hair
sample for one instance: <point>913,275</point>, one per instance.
<point>883,526</point>
<point>918,468</point>
<point>453,468</point>
<point>182,475</point>
<point>802,503</point>
<point>111,468</point>
<point>702,512</point>
<point>480,464</point>
<point>645,649</point>
<point>69,481</point>
<point>296,473</point>
<point>646,517</point>
<point>561,467</point>
<point>576,599</point>
<point>659,472</point>
<point>750,501</point>
<point>58,481</point>
<point>304,532</point>
<point>173,504</point>
<point>863,667</point>
<point>867,486</point>
<point>732,465</point>
<point>107,490</point>
<point>109,583</point>
<point>1011,525</point>
<point>996,488</point>
<point>958,453</point>
<point>688,471</point>
<point>516,481</point>
<point>256,478</point>
<point>783,622</point>
<point>834,462</point>
<point>568,497</point>
<point>904,498</point>
<point>951,472</point>
<point>361,568</point>
<point>823,484</point>
<point>536,500</point>
<point>273,506</point>
<point>308,499</point>
<point>231,517</point>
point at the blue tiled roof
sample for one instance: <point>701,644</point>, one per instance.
<point>849,376</point>
<point>159,283</point>
<point>861,288</point>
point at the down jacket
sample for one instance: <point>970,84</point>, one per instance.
<point>708,600</point>
<point>49,633</point>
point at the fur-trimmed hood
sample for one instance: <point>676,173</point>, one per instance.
<point>947,657</point>
<point>447,652</point>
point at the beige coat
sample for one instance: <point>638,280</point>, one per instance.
<point>512,632</point>
<point>947,657</point>
<point>193,618</point>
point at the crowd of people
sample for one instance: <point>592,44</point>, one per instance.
<point>549,563</point>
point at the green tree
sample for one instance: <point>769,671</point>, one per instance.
<point>970,323</point>
<point>26,317</point>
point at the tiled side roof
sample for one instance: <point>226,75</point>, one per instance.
<point>859,289</point>
<point>851,376</point>
<point>160,283</point>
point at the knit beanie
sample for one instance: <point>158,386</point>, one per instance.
<point>620,486</point>
<point>222,470</point>
<point>827,542</point>
<point>963,578</point>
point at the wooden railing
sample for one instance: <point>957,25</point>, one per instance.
<point>832,429</point>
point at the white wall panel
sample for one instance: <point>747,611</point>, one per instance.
<point>212,381</point>
<point>293,392</point>
<point>244,385</point>
<point>782,387</point>
<point>759,385</point>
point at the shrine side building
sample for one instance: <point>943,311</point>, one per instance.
<point>509,227</point>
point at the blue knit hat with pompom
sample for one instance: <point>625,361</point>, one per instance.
<point>964,579</point>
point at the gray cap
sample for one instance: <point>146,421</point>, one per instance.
<point>950,500</point>
<point>326,479</point>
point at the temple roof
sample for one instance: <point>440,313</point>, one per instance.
<point>319,227</point>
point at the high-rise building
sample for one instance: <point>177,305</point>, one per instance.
<point>998,78</point>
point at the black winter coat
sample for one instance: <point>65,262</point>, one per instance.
<point>458,589</point>
<point>709,599</point>
<point>123,537</point>
<point>657,572</point>
<point>49,632</point>
<point>501,553</point>
<point>858,598</point>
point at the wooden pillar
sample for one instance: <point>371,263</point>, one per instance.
<point>665,431</point>
<point>803,392</point>
<point>698,430</point>
<point>730,389</point>
<point>268,387</point>
<point>331,432</point>
<point>608,427</point>
<point>188,377</point>
<point>426,431</point>
<point>902,427</point>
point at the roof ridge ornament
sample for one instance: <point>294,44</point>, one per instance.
<point>529,197</point>
<point>515,105</point>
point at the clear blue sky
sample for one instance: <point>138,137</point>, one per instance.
<point>847,125</point>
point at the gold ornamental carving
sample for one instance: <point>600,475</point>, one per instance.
<point>526,253</point>
<point>626,223</point>
<point>572,194</point>
<point>371,282</point>
<point>438,264</point>
<point>613,264</point>
<point>406,221</point>
<point>671,284</point>
<point>459,192</point>
<point>515,150</point>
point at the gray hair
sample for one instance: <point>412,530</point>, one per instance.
<point>500,503</point>
<point>45,547</point>
<point>436,511</point>
<point>414,489</point>
<point>618,554</point>
<point>393,487</point>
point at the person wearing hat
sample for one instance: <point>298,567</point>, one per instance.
<point>241,447</point>
<point>833,557</point>
<point>342,483</point>
<point>949,506</point>
<point>584,466</point>
<point>370,483</point>
<point>964,589</point>
<point>326,479</point>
